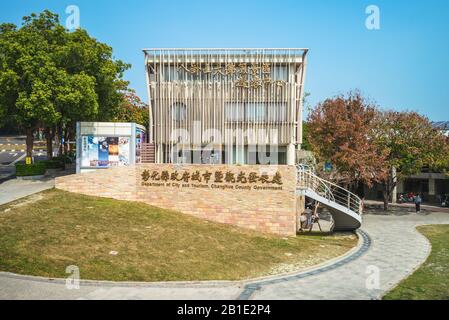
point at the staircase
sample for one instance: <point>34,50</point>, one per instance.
<point>147,153</point>
<point>344,206</point>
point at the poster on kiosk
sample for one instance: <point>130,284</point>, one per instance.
<point>98,149</point>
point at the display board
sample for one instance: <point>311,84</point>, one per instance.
<point>140,138</point>
<point>101,152</point>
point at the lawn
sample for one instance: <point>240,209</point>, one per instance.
<point>430,281</point>
<point>129,241</point>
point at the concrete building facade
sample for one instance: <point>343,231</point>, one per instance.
<point>226,106</point>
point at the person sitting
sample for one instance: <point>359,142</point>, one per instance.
<point>305,216</point>
<point>315,217</point>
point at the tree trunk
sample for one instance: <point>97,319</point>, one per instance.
<point>49,138</point>
<point>385,198</point>
<point>29,142</point>
<point>59,139</point>
<point>66,140</point>
<point>71,136</point>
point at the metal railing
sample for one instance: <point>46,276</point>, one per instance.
<point>307,179</point>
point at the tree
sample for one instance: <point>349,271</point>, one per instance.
<point>27,73</point>
<point>410,143</point>
<point>51,78</point>
<point>76,100</point>
<point>305,139</point>
<point>340,133</point>
<point>132,109</point>
<point>84,54</point>
<point>93,66</point>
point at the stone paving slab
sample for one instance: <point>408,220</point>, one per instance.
<point>397,250</point>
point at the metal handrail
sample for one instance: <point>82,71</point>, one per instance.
<point>306,178</point>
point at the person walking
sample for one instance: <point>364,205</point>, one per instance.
<point>418,201</point>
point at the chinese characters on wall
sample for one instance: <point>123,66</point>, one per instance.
<point>248,76</point>
<point>211,179</point>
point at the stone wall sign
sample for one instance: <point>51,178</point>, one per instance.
<point>211,179</point>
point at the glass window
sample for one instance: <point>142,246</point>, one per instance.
<point>277,112</point>
<point>234,111</point>
<point>170,73</point>
<point>179,111</point>
<point>279,73</point>
<point>255,111</point>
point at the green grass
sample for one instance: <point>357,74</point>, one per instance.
<point>45,233</point>
<point>431,280</point>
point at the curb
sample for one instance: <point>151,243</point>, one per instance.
<point>362,247</point>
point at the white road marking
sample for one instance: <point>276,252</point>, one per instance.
<point>19,158</point>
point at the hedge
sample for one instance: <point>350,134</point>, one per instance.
<point>34,169</point>
<point>39,167</point>
<point>52,164</point>
<point>64,159</point>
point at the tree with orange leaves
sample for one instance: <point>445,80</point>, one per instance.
<point>340,132</point>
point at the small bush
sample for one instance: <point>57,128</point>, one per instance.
<point>52,164</point>
<point>64,159</point>
<point>39,167</point>
<point>34,169</point>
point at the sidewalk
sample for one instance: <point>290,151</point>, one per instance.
<point>395,252</point>
<point>428,207</point>
<point>15,188</point>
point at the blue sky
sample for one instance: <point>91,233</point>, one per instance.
<point>403,66</point>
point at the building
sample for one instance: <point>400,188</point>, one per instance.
<point>443,126</point>
<point>433,186</point>
<point>102,145</point>
<point>212,110</point>
<point>225,105</point>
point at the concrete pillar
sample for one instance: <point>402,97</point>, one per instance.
<point>432,190</point>
<point>159,153</point>
<point>400,186</point>
<point>431,186</point>
<point>291,154</point>
<point>240,154</point>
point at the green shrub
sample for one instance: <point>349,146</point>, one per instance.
<point>39,167</point>
<point>64,159</point>
<point>34,169</point>
<point>52,164</point>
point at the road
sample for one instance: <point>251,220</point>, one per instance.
<point>12,150</point>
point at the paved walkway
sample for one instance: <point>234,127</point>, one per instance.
<point>410,206</point>
<point>395,250</point>
<point>15,188</point>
